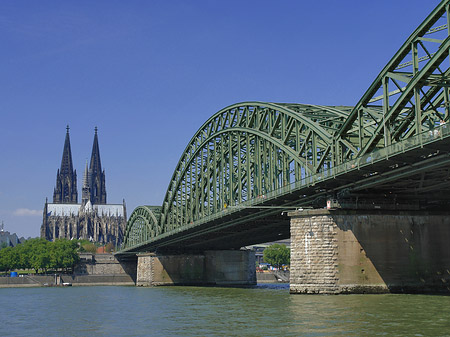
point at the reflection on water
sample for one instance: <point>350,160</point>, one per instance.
<point>266,310</point>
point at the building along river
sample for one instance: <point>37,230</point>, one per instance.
<point>265,310</point>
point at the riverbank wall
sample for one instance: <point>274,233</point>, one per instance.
<point>270,276</point>
<point>60,279</point>
<point>93,269</point>
<point>105,269</point>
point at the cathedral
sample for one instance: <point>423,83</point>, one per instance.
<point>93,219</point>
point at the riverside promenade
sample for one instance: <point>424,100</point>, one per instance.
<point>93,269</point>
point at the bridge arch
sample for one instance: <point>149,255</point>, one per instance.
<point>250,149</point>
<point>409,96</point>
<point>245,151</point>
<point>142,225</point>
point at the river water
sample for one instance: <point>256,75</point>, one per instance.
<point>266,310</point>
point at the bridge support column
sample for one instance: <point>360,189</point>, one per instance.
<point>361,251</point>
<point>224,267</point>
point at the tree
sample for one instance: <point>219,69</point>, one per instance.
<point>24,252</point>
<point>109,247</point>
<point>64,254</point>
<point>40,254</point>
<point>89,247</point>
<point>9,258</point>
<point>277,255</point>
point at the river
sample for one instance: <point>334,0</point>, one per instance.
<point>265,310</point>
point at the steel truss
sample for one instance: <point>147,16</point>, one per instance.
<point>408,97</point>
<point>142,225</point>
<point>249,150</point>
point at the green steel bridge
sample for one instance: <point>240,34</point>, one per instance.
<point>251,162</point>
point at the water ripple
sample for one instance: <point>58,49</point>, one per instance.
<point>266,310</point>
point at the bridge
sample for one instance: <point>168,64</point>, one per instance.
<point>253,166</point>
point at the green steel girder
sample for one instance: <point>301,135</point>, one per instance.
<point>250,150</point>
<point>142,225</point>
<point>241,153</point>
<point>419,75</point>
<point>245,151</point>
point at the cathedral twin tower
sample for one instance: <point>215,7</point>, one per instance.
<point>93,190</point>
<point>93,219</point>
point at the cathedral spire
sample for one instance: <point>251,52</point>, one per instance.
<point>85,195</point>
<point>86,176</point>
<point>66,161</point>
<point>66,179</point>
<point>96,175</point>
<point>96,164</point>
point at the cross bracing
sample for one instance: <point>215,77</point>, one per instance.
<point>144,225</point>
<point>257,153</point>
<point>410,95</point>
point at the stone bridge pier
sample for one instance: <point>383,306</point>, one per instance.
<point>363,251</point>
<point>213,267</point>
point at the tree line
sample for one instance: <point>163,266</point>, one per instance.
<point>40,255</point>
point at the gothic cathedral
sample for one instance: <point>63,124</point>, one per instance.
<point>93,219</point>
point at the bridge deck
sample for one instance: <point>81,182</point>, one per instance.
<point>405,176</point>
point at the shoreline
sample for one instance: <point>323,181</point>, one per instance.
<point>83,280</point>
<point>59,280</point>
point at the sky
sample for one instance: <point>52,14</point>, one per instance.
<point>149,73</point>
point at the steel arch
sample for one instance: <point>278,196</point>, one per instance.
<point>249,149</point>
<point>409,96</point>
<point>245,151</point>
<point>142,225</point>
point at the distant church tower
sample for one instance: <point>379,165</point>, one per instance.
<point>92,219</point>
<point>85,191</point>
<point>65,191</point>
<point>96,175</point>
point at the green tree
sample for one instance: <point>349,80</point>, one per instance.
<point>90,247</point>
<point>64,254</point>
<point>24,252</point>
<point>70,257</point>
<point>109,247</point>
<point>8,258</point>
<point>39,254</point>
<point>277,255</point>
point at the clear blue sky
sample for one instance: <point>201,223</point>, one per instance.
<point>150,73</point>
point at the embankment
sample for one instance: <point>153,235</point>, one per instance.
<point>272,277</point>
<point>93,269</point>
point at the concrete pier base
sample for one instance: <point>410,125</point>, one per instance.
<point>360,251</point>
<point>225,267</point>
